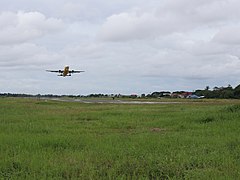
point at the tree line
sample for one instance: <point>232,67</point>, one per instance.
<point>227,92</point>
<point>220,92</point>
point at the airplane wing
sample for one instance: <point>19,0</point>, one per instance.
<point>58,71</point>
<point>73,71</point>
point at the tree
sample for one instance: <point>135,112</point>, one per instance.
<point>237,91</point>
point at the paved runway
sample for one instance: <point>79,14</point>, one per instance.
<point>104,101</point>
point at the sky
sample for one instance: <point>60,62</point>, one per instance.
<point>125,47</point>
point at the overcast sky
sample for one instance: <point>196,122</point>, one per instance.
<point>126,47</point>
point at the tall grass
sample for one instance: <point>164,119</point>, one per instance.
<point>60,140</point>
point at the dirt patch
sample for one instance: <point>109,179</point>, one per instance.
<point>157,129</point>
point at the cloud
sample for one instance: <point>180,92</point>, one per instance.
<point>171,17</point>
<point>228,35</point>
<point>24,26</point>
<point>26,55</point>
<point>194,68</point>
<point>127,26</point>
<point>123,46</point>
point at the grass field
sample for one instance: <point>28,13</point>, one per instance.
<point>66,140</point>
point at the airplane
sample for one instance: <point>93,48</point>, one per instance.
<point>65,72</point>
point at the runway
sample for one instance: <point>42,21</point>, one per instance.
<point>106,101</point>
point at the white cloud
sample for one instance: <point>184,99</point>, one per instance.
<point>26,55</point>
<point>170,17</point>
<point>124,46</point>
<point>228,35</point>
<point>127,26</point>
<point>24,26</point>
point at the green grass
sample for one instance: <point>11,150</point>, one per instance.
<point>66,140</point>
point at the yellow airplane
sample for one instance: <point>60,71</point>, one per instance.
<point>65,71</point>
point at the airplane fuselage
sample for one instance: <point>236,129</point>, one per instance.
<point>65,71</point>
